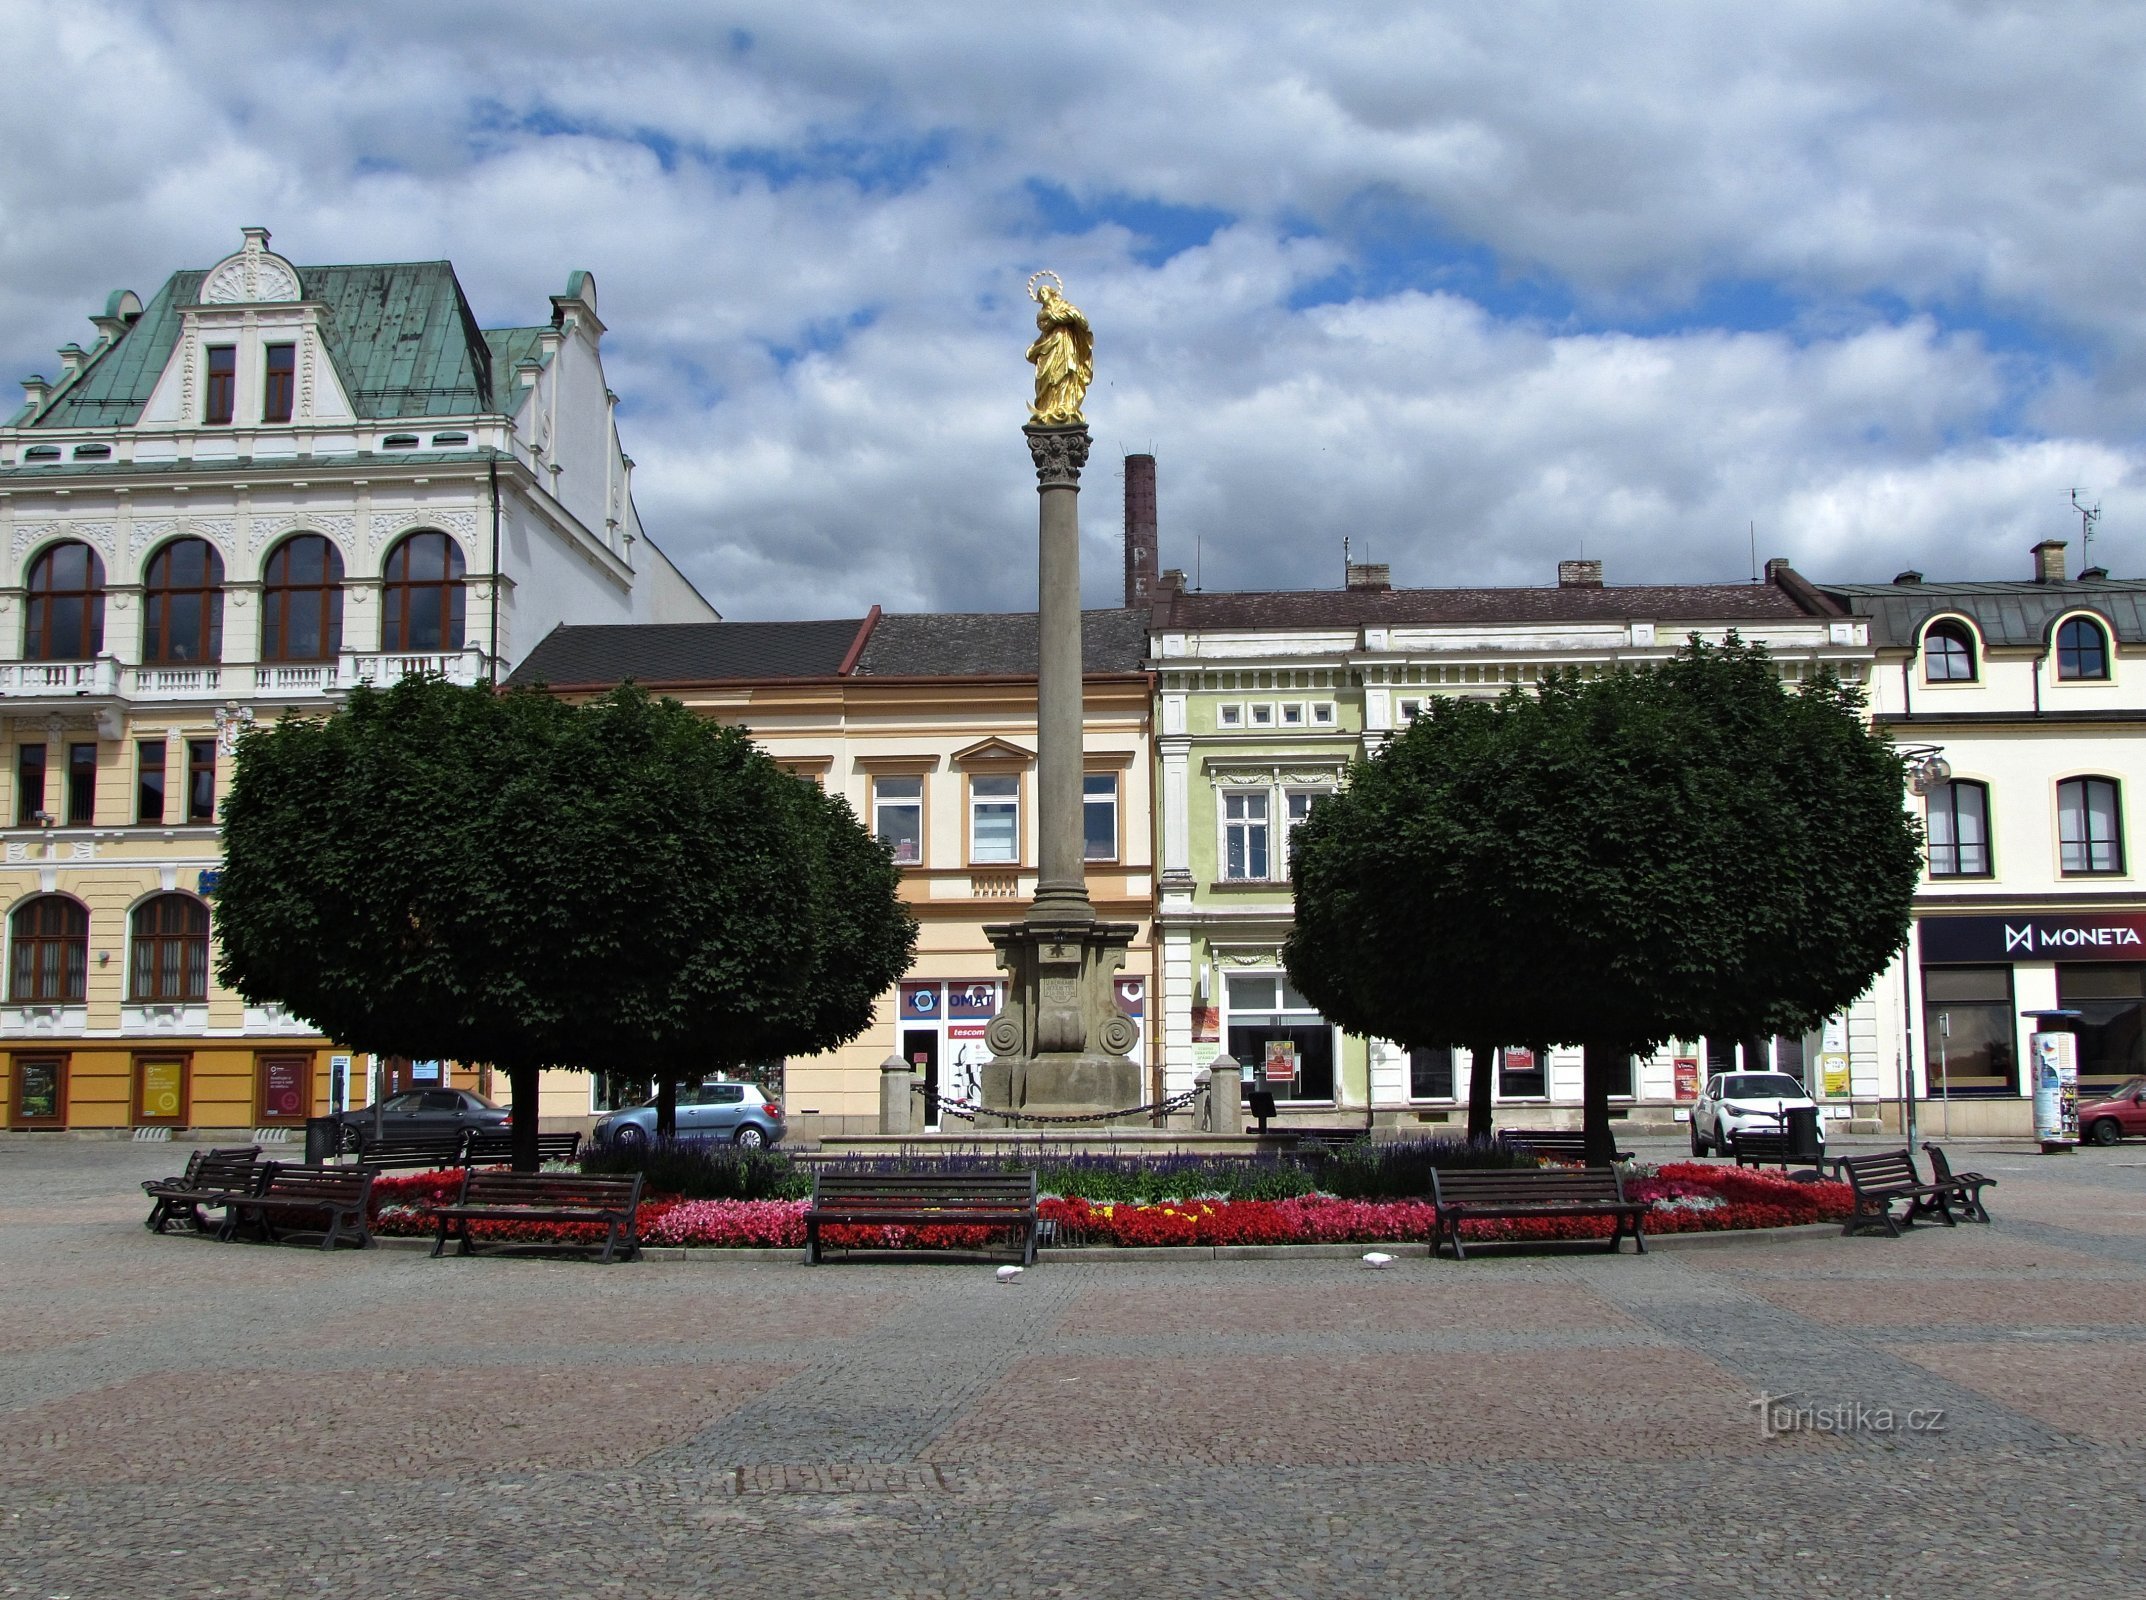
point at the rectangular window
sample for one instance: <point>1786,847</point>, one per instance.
<point>1276,1032</point>
<point>221,395</point>
<point>81,785</point>
<point>898,817</point>
<point>1322,713</point>
<point>1099,816</point>
<point>1262,715</point>
<point>279,382</point>
<point>201,780</point>
<point>1521,1074</point>
<point>1293,715</point>
<point>1244,836</point>
<point>1959,831</point>
<point>1968,1030</point>
<point>995,819</point>
<point>1298,806</point>
<point>2089,835</point>
<point>2110,997</point>
<point>1409,712</point>
<point>1229,716</point>
<point>29,785</point>
<point>1430,1074</point>
<point>149,780</point>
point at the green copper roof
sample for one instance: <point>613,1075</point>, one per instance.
<point>401,335</point>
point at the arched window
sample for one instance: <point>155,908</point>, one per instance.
<point>423,599</point>
<point>302,600</point>
<point>2082,650</point>
<point>171,950</point>
<point>1948,653</point>
<point>51,940</point>
<point>183,604</point>
<point>66,610</point>
<point>2090,827</point>
<point>1959,830</point>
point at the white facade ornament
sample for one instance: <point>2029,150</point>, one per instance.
<point>232,719</point>
<point>255,273</point>
<point>31,533</point>
<point>145,536</point>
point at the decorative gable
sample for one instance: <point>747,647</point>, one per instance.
<point>255,274</point>
<point>994,752</point>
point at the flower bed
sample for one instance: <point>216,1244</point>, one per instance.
<point>1684,1197</point>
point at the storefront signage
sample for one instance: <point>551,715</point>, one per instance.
<point>162,1087</point>
<point>2109,936</point>
<point>920,1001</point>
<point>37,1093</point>
<point>283,1087</point>
<point>1687,1077</point>
<point>1833,1070</point>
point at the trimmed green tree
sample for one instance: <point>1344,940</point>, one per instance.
<point>447,872</point>
<point>1613,862</point>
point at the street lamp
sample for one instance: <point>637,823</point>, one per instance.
<point>1927,767</point>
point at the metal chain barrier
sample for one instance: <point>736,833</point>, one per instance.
<point>968,1110</point>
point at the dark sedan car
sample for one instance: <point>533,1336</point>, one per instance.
<point>416,1112</point>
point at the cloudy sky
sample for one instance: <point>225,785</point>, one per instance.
<point>1474,285</point>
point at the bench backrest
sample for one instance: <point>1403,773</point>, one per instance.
<point>1543,1138</point>
<point>1539,1183</point>
<point>1940,1165</point>
<point>490,1187</point>
<point>1880,1171</point>
<point>228,1171</point>
<point>341,1186</point>
<point>412,1150</point>
<point>483,1146</point>
<point>1010,1190</point>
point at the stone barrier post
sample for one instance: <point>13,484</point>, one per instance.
<point>898,1097</point>
<point>1225,1095</point>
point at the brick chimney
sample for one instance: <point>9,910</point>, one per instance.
<point>2049,561</point>
<point>1143,552</point>
<point>1370,575</point>
<point>1579,574</point>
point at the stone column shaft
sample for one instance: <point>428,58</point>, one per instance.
<point>1061,885</point>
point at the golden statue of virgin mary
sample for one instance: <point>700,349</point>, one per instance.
<point>1064,355</point>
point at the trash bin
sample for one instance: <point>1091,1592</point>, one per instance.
<point>1800,1123</point>
<point>324,1140</point>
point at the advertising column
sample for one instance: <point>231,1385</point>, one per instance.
<point>2054,1050</point>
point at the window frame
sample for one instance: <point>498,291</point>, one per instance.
<point>71,977</point>
<point>1262,826</point>
<point>1961,637</point>
<point>158,957</point>
<point>219,386</point>
<point>142,771</point>
<point>1116,801</point>
<point>970,803</point>
<point>200,760</point>
<point>1951,790</point>
<point>59,1061</point>
<point>2085,784</point>
<point>81,784</point>
<point>279,381</point>
<point>41,604</point>
<point>163,599</point>
<point>1281,1016</point>
<point>880,803</point>
<point>399,590</point>
<point>2077,625</point>
<point>33,772</point>
<point>279,591</point>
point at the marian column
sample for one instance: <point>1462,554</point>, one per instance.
<point>1058,1048</point>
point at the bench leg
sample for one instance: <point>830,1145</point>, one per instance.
<point>812,1243</point>
<point>335,1230</point>
<point>1028,1251</point>
<point>439,1239</point>
<point>1639,1233</point>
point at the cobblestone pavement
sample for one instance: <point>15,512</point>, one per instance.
<point>182,1419</point>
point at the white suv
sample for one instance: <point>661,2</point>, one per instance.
<point>1737,1102</point>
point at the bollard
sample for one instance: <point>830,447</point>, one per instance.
<point>897,1097</point>
<point>1225,1095</point>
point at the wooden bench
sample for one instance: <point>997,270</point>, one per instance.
<point>414,1151</point>
<point>1966,1187</point>
<point>1473,1196</point>
<point>1879,1180</point>
<point>489,1195</point>
<point>1772,1150</point>
<point>233,1169</point>
<point>486,1148</point>
<point>906,1199</point>
<point>301,1192</point>
<point>1562,1144</point>
<point>1327,1138</point>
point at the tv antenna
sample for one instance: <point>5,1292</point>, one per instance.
<point>2088,516</point>
<point>1344,561</point>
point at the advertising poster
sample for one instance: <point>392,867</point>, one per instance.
<point>2056,1088</point>
<point>283,1088</point>
<point>40,1090</point>
<point>162,1082</point>
<point>1207,1025</point>
<point>424,1072</point>
<point>1279,1057</point>
<point>1833,1069</point>
<point>1687,1077</point>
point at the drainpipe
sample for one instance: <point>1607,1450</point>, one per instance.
<point>491,468</point>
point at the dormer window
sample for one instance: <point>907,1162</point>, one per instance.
<point>443,441</point>
<point>279,382</point>
<point>2082,651</point>
<point>401,441</point>
<point>42,452</point>
<point>221,396</point>
<point>1948,653</point>
<point>93,452</point>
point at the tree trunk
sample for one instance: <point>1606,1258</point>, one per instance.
<point>666,1106</point>
<point>524,1080</point>
<point>1607,1061</point>
<point>1481,1059</point>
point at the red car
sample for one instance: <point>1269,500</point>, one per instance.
<point>2108,1119</point>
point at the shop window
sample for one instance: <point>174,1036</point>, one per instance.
<point>1099,816</point>
<point>201,780</point>
<point>1948,653</point>
<point>81,785</point>
<point>995,818</point>
<point>149,780</point>
<point>171,951</point>
<point>2090,836</point>
<point>1244,836</point>
<point>422,603</point>
<point>1968,1031</point>
<point>898,817</point>
<point>302,600</point>
<point>1430,1074</point>
<point>39,1097</point>
<point>1959,830</point>
<point>1275,1029</point>
<point>279,382</point>
<point>2082,650</point>
<point>50,940</point>
<point>64,619</point>
<point>2111,999</point>
<point>220,396</point>
<point>1523,1072</point>
<point>29,785</point>
<point>183,604</point>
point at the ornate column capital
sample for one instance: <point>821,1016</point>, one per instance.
<point>1059,453</point>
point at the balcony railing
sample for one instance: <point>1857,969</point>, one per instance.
<point>219,681</point>
<point>24,678</point>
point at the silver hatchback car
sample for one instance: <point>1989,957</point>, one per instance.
<point>733,1113</point>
